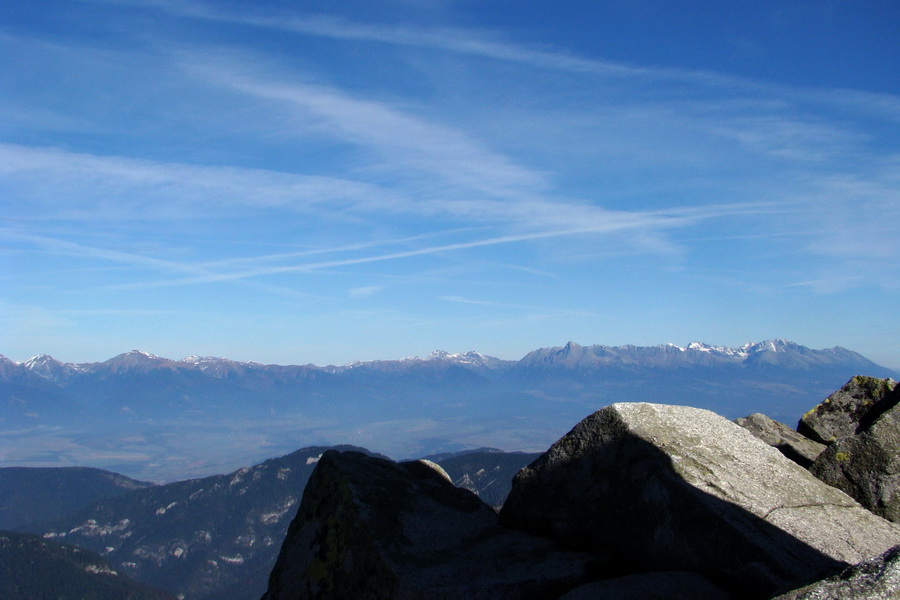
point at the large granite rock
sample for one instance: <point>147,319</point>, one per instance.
<point>874,579</point>
<point>849,410</point>
<point>867,465</point>
<point>372,528</point>
<point>795,446</point>
<point>654,488</point>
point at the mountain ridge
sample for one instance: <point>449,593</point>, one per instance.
<point>52,369</point>
<point>159,419</point>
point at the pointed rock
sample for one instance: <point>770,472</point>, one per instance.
<point>796,447</point>
<point>658,488</point>
<point>372,528</point>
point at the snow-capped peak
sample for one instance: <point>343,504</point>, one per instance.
<point>135,359</point>
<point>44,366</point>
<point>48,367</point>
<point>141,353</point>
<point>39,361</point>
<point>443,355</point>
<point>466,358</point>
<point>710,349</point>
<point>774,345</point>
<point>193,359</point>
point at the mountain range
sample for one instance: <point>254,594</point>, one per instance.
<point>159,419</point>
<point>208,538</point>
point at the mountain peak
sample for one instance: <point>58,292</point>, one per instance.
<point>772,345</point>
<point>194,359</point>
<point>134,360</point>
<point>572,347</point>
<point>40,360</point>
<point>140,353</point>
<point>470,357</point>
<point>47,367</point>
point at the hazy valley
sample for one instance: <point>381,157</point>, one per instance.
<point>157,419</point>
<point>219,537</point>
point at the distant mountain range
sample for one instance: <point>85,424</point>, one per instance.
<point>572,355</point>
<point>157,419</point>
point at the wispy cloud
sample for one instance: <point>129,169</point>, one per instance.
<point>79,186</point>
<point>314,157</point>
<point>147,263</point>
<point>408,142</point>
<point>365,291</point>
<point>614,223</point>
<point>488,44</point>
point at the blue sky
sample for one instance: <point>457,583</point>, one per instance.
<point>328,182</point>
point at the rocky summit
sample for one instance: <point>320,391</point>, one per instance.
<point>371,528</point>
<point>656,487</point>
<point>637,501</point>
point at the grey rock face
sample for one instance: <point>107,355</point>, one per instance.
<point>796,447</point>
<point>867,465</point>
<point>874,579</point>
<point>372,528</point>
<point>849,410</point>
<point>656,488</point>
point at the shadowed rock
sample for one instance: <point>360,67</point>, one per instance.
<point>796,447</point>
<point>849,410</point>
<point>654,488</point>
<point>874,579</point>
<point>672,585</point>
<point>372,528</point>
<point>867,465</point>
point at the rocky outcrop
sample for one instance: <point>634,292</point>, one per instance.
<point>874,579</point>
<point>637,501</point>
<point>795,446</point>
<point>372,528</point>
<point>867,465</point>
<point>656,488</point>
<point>849,410</point>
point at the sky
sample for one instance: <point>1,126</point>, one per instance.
<point>329,182</point>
